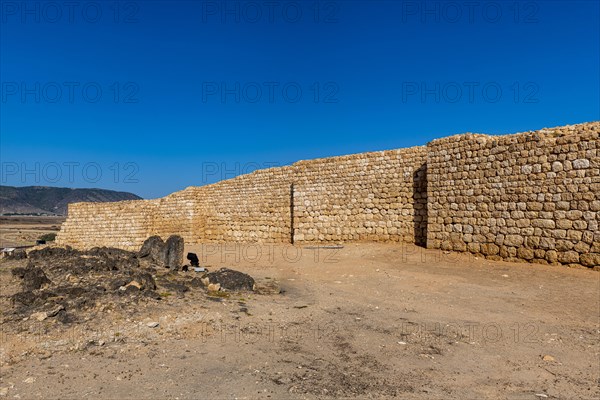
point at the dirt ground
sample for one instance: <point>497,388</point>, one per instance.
<point>25,230</point>
<point>363,321</point>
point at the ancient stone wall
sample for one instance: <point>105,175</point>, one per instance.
<point>379,196</point>
<point>126,224</point>
<point>249,208</point>
<point>368,196</point>
<point>529,196</point>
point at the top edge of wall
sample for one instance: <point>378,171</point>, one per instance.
<point>413,149</point>
<point>548,134</point>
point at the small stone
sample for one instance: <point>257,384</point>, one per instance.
<point>590,259</point>
<point>153,324</point>
<point>29,380</point>
<point>54,312</point>
<point>40,316</point>
<point>513,240</point>
<point>134,284</point>
<point>568,257</point>
<point>3,391</point>
<point>581,163</point>
<point>557,166</point>
<point>548,358</point>
<point>525,254</point>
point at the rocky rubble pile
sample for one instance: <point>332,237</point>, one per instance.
<point>64,283</point>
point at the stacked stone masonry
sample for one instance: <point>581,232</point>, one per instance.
<point>531,196</point>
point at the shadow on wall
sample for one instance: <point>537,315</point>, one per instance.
<point>292,213</point>
<point>420,205</point>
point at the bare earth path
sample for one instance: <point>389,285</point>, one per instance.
<point>366,321</point>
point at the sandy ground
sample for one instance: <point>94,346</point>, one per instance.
<point>25,230</point>
<point>364,321</point>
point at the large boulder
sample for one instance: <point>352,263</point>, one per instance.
<point>154,250</point>
<point>174,252</point>
<point>18,254</point>
<point>33,277</point>
<point>228,279</point>
<point>164,254</point>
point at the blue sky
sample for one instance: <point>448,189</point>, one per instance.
<point>151,97</point>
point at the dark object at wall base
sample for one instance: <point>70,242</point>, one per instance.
<point>193,258</point>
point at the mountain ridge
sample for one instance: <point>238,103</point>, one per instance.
<point>53,200</point>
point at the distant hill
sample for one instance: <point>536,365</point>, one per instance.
<point>52,200</point>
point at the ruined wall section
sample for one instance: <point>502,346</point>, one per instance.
<point>531,196</point>
<point>249,208</point>
<point>126,224</point>
<point>378,196</point>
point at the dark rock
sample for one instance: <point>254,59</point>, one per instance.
<point>98,259</point>
<point>193,258</point>
<point>164,254</point>
<point>229,279</point>
<point>64,317</point>
<point>114,259</point>
<point>111,259</point>
<point>18,254</point>
<point>24,298</point>
<point>53,312</point>
<point>174,252</point>
<point>53,252</point>
<point>72,291</point>
<point>131,290</point>
<point>116,283</point>
<point>18,272</point>
<point>197,283</point>
<point>154,250</point>
<point>27,299</point>
<point>33,277</point>
<point>152,294</point>
<point>100,288</point>
<point>146,280</point>
<point>176,287</point>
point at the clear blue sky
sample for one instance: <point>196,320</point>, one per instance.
<point>175,94</point>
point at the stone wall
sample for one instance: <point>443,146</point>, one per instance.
<point>531,196</point>
<point>368,196</point>
<point>249,208</point>
<point>378,196</point>
<point>126,224</point>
